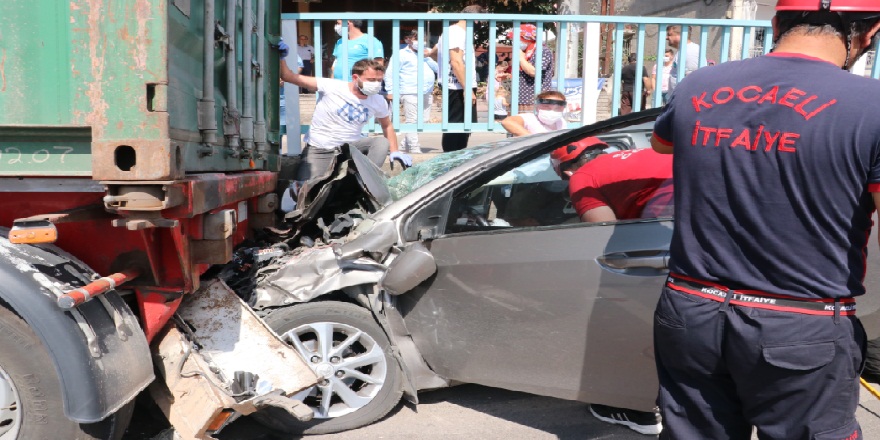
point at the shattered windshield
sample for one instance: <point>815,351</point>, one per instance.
<point>420,174</point>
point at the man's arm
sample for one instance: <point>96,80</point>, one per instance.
<point>525,65</point>
<point>388,131</point>
<point>660,146</point>
<point>456,60</point>
<point>515,125</point>
<point>876,196</point>
<point>600,214</point>
<point>389,77</point>
<point>287,75</point>
<point>431,53</point>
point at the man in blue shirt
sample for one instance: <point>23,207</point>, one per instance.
<point>409,89</point>
<point>777,173</point>
<point>359,46</point>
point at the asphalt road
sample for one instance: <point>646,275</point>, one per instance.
<point>471,411</point>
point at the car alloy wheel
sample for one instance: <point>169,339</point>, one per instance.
<point>350,365</point>
<point>360,379</point>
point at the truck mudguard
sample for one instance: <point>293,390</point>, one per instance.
<point>100,352</point>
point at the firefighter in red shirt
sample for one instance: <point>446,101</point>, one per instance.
<point>621,185</point>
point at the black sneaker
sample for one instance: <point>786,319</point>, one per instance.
<point>647,423</point>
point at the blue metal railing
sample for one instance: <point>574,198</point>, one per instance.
<point>574,34</point>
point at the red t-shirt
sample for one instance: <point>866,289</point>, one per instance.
<point>633,183</point>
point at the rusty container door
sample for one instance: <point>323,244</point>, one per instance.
<point>111,89</point>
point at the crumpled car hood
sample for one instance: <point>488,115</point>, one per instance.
<point>310,273</point>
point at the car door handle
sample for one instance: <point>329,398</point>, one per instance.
<point>623,260</point>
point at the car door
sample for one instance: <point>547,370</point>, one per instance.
<point>527,298</point>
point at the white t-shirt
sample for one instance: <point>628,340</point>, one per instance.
<point>693,57</point>
<point>534,126</point>
<point>340,116</point>
<point>667,76</point>
<point>305,52</point>
<point>457,40</point>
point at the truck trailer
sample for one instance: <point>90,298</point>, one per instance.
<point>139,146</point>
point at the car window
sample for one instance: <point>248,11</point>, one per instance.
<point>422,173</point>
<point>530,194</point>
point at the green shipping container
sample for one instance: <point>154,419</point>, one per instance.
<point>116,90</point>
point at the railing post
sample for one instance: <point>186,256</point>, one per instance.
<point>661,76</point>
<point>638,87</point>
<point>725,45</point>
<point>590,93</point>
<point>682,52</point>
<point>491,83</point>
<point>420,79</point>
<point>618,55</point>
<point>704,42</point>
<point>539,61</point>
<point>446,68</point>
<point>514,69</point>
<point>291,93</point>
<point>345,68</point>
<point>395,74</point>
<point>469,86</point>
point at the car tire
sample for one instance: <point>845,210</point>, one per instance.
<point>31,403</point>
<point>300,326</point>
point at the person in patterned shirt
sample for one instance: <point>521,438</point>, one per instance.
<point>528,66</point>
<point>340,116</point>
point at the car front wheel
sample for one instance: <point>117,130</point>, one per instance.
<point>359,379</point>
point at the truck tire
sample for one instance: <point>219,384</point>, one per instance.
<point>30,391</point>
<point>346,320</point>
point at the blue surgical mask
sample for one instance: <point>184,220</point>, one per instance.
<point>415,45</point>
<point>523,46</point>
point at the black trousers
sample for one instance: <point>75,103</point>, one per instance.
<point>308,68</point>
<point>725,368</point>
<point>457,141</point>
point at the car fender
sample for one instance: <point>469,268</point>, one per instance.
<point>98,349</point>
<point>417,374</point>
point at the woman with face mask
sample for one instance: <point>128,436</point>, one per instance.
<point>528,66</point>
<point>547,117</point>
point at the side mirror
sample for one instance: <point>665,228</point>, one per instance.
<point>413,266</point>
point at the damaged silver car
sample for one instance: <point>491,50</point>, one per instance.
<point>468,268</point>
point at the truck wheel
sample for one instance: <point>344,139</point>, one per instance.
<point>350,353</point>
<point>30,392</point>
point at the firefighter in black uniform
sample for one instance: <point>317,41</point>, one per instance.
<point>777,172</point>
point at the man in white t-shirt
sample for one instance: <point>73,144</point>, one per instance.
<point>453,73</point>
<point>306,52</point>
<point>692,52</point>
<point>339,118</point>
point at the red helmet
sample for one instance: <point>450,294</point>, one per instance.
<point>561,156</point>
<point>829,5</point>
<point>848,11</point>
